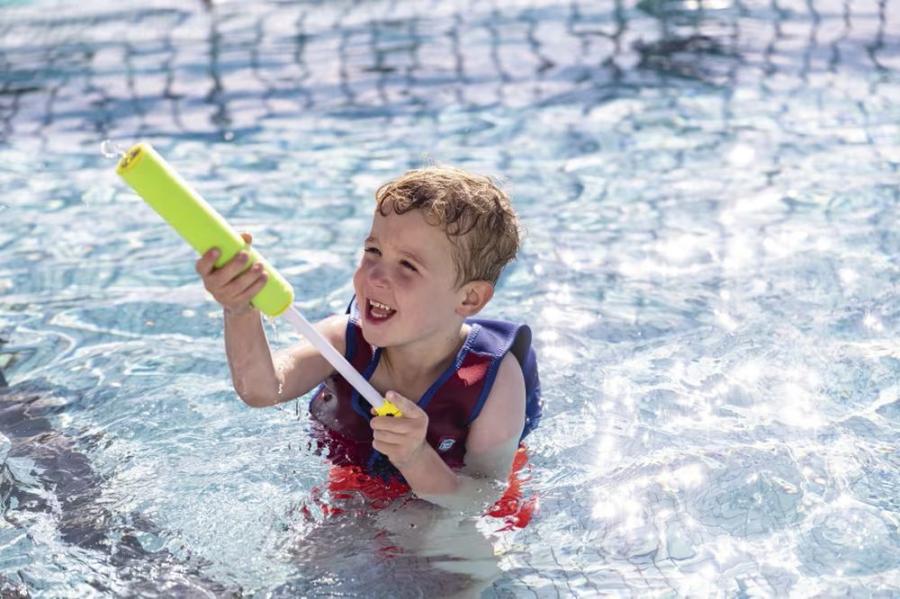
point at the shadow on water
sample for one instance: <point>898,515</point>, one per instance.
<point>43,474</point>
<point>692,44</point>
<point>699,57</point>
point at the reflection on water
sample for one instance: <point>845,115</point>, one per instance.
<point>418,548</point>
<point>710,195</point>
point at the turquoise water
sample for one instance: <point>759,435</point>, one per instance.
<point>710,193</point>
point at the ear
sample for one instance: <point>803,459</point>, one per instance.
<point>476,294</point>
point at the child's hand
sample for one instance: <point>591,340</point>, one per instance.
<point>400,438</point>
<point>228,285</point>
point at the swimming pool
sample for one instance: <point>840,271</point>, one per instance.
<point>710,192</point>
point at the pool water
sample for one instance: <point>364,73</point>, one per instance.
<point>710,192</point>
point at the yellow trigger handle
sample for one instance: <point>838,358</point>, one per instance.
<point>388,409</point>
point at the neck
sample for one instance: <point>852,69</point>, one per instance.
<point>420,363</point>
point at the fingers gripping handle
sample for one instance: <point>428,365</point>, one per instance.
<point>387,409</point>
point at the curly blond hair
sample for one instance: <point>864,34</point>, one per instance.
<point>472,210</point>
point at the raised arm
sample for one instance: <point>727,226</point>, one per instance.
<point>262,379</point>
<point>259,378</point>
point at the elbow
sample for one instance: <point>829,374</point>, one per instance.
<point>256,393</point>
<point>254,399</point>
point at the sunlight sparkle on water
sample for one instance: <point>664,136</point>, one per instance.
<point>798,407</point>
<point>741,155</point>
<point>848,276</point>
<point>739,253</point>
<point>604,510</point>
<point>620,506</point>
<point>807,376</point>
<point>554,314</point>
<point>726,321</point>
<point>785,244</point>
<point>767,200</point>
<point>871,321</point>
<point>562,356</point>
<point>684,477</point>
<point>619,390</point>
<point>548,336</point>
<point>750,371</point>
<point>697,583</point>
<point>608,456</point>
<point>824,244</point>
<point>681,248</point>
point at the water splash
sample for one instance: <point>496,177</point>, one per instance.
<point>280,372</point>
<point>111,149</point>
<point>280,362</point>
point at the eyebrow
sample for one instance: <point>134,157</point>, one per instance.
<point>411,255</point>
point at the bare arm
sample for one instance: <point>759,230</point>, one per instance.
<point>249,358</point>
<point>259,379</point>
<point>490,447</point>
<point>262,379</point>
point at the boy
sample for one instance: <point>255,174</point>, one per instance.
<point>439,239</point>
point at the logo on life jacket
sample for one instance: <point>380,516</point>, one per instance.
<point>446,443</point>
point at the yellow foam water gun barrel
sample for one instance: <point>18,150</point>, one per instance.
<point>196,221</point>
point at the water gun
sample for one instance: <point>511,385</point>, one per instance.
<point>203,228</point>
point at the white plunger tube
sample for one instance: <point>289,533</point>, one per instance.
<point>340,363</point>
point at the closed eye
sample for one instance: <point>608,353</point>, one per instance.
<point>407,264</point>
<point>373,251</point>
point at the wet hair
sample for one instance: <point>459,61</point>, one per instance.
<point>472,210</point>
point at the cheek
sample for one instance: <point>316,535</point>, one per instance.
<point>358,278</point>
<point>404,280</point>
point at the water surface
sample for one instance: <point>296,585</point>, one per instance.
<point>710,196</point>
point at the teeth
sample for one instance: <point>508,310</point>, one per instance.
<point>381,306</point>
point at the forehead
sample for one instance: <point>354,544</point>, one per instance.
<point>412,233</point>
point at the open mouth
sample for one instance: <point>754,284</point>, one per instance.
<point>378,312</point>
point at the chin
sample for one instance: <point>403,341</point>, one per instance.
<point>376,338</point>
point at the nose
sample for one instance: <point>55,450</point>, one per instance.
<point>378,276</point>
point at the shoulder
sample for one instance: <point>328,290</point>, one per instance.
<point>503,414</point>
<point>498,338</point>
<point>509,378</point>
<point>334,329</point>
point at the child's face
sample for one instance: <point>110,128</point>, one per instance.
<point>406,281</point>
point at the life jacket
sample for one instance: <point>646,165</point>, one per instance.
<point>341,417</point>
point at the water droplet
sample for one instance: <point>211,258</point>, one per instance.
<point>280,367</point>
<point>228,135</point>
<point>111,149</point>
